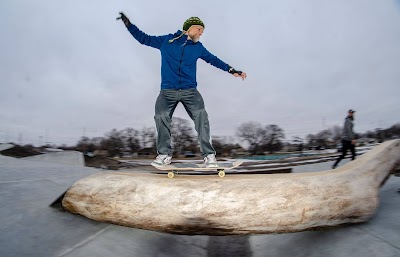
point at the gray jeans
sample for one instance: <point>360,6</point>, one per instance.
<point>193,102</point>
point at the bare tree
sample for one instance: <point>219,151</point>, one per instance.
<point>148,137</point>
<point>311,140</point>
<point>87,144</point>
<point>299,142</point>
<point>182,135</point>
<point>323,138</point>
<point>84,145</point>
<point>131,139</point>
<point>336,133</point>
<point>272,136</point>
<point>252,133</point>
<point>114,143</point>
<point>224,145</point>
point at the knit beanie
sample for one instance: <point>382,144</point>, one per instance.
<point>186,25</point>
<point>192,21</point>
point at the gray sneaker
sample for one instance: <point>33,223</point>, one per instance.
<point>162,159</point>
<point>210,161</point>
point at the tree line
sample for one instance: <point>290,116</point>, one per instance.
<point>254,137</point>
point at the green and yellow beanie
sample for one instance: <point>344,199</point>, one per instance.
<point>186,25</point>
<point>192,21</point>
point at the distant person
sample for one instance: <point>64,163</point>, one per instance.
<point>179,55</point>
<point>348,138</point>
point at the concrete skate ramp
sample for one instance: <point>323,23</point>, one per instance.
<point>6,159</point>
<point>71,158</point>
<point>240,204</point>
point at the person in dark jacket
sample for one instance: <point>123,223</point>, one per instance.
<point>179,54</point>
<point>348,138</point>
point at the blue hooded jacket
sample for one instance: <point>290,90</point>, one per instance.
<point>178,59</point>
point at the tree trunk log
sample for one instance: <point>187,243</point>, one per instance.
<point>237,204</point>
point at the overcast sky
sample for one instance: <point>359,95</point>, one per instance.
<point>68,68</point>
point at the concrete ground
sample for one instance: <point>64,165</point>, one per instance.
<point>29,227</point>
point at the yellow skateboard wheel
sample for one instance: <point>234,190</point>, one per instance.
<point>221,173</point>
<point>171,174</point>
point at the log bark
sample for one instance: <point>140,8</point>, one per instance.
<point>237,204</point>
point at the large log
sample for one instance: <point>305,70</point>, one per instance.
<point>237,204</point>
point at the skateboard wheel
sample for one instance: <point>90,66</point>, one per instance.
<point>221,173</point>
<point>171,174</point>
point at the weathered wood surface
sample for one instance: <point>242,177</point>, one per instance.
<point>237,204</point>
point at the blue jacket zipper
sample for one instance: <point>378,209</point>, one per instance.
<point>180,64</point>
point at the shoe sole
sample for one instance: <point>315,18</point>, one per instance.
<point>212,165</point>
<point>159,164</point>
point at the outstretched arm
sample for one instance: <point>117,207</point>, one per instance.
<point>215,61</point>
<point>143,38</point>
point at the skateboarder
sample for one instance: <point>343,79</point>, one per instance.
<point>348,138</point>
<point>179,54</point>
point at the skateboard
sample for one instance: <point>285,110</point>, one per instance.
<point>174,169</point>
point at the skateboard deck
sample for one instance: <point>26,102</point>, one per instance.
<point>174,169</point>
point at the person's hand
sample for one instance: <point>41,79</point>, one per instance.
<point>237,73</point>
<point>124,19</point>
<point>241,74</point>
<point>353,142</point>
